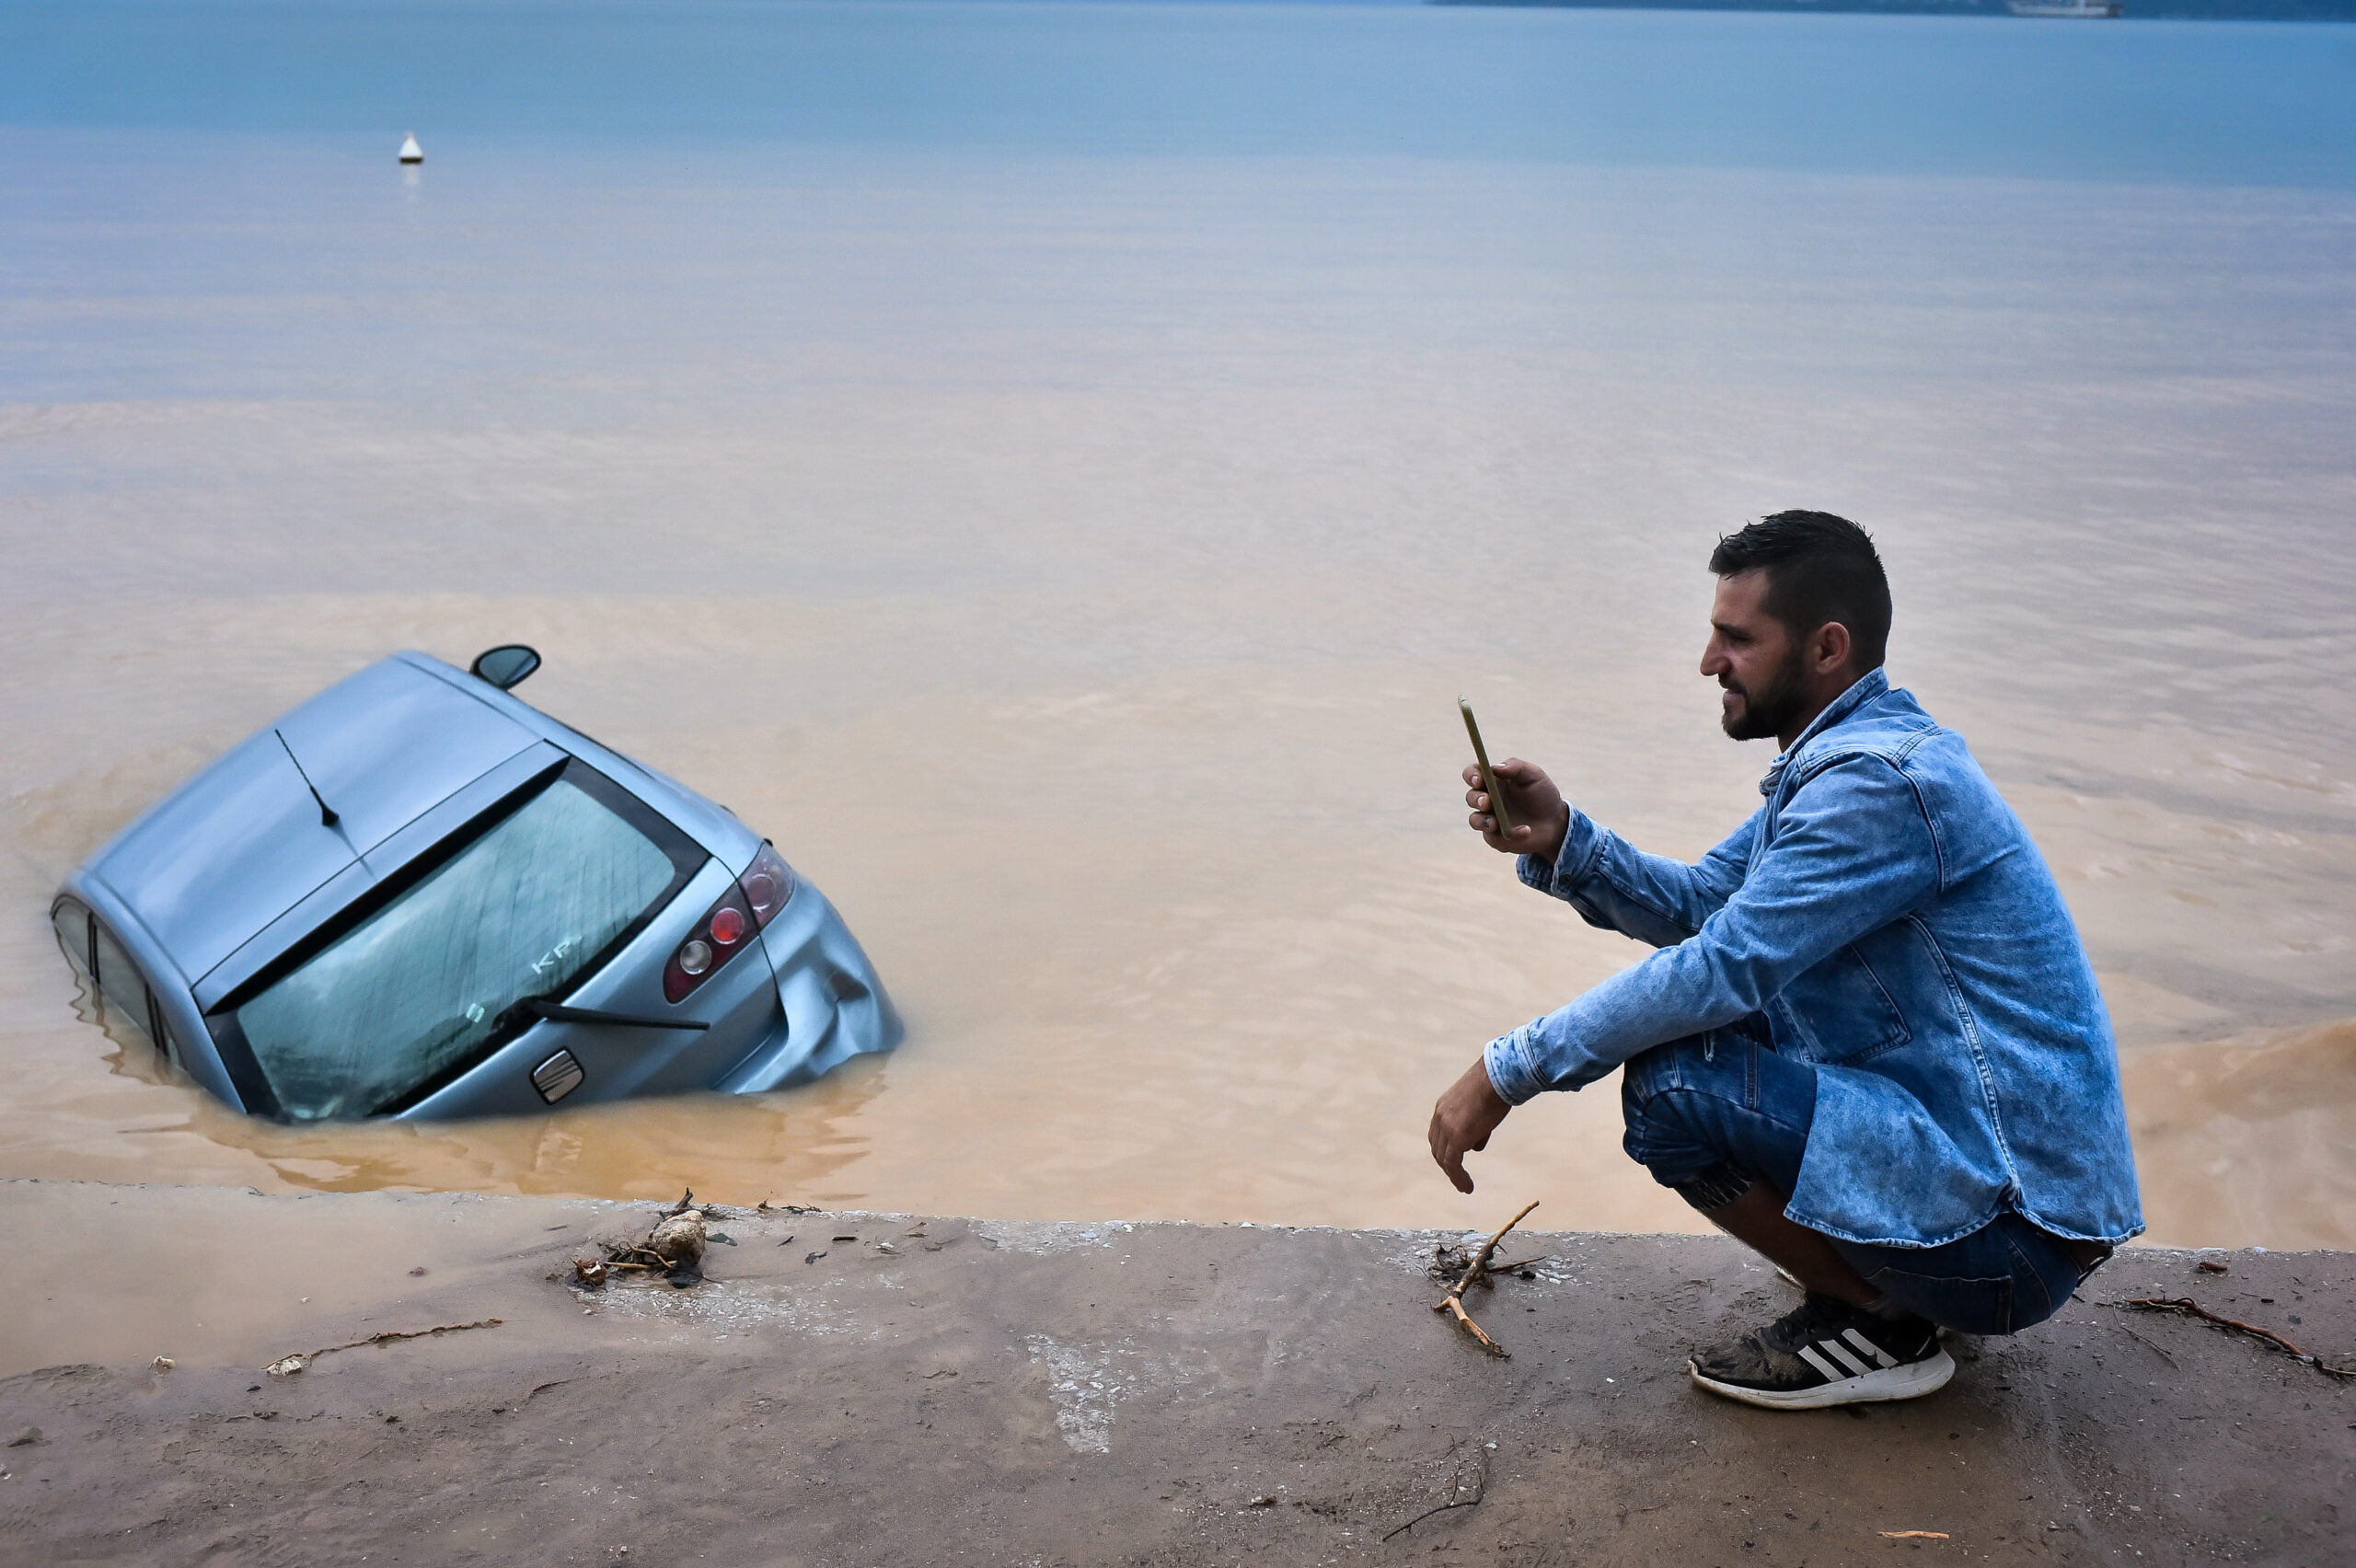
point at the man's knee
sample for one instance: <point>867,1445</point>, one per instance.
<point>1710,1115</point>
<point>1668,1130</point>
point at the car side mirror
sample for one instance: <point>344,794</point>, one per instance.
<point>505,666</point>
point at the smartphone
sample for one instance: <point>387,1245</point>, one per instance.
<point>1489,779</point>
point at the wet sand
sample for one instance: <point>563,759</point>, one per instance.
<point>950,1390</point>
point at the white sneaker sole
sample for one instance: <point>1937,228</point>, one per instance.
<point>1910,1381</point>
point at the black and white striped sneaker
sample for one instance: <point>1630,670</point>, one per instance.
<point>1825,1352</point>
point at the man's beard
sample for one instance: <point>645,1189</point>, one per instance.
<point>1766,711</point>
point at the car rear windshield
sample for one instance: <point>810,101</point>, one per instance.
<point>420,985</point>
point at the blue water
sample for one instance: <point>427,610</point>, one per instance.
<point>2247,103</point>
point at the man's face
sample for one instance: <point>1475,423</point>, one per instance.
<point>1755,658</point>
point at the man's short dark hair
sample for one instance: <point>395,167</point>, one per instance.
<point>1820,568</point>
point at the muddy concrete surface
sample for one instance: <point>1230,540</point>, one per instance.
<point>865,1389</point>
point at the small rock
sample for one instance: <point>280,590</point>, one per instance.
<point>680,1241</point>
<point>26,1439</point>
<point>162,1364</point>
<point>287,1366</point>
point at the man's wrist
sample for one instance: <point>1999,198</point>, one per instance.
<point>1550,851</point>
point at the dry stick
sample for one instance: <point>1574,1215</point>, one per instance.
<point>1479,1485</point>
<point>303,1359</point>
<point>1480,1262</point>
<point>2186,1307</point>
<point>1453,1302</point>
<point>2154,1344</point>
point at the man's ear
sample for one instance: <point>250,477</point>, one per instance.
<point>1831,648</point>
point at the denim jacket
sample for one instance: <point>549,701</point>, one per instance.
<point>1887,913</point>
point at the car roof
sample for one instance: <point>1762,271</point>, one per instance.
<point>243,842</point>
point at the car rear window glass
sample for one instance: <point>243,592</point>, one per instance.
<point>119,980</point>
<point>421,984</point>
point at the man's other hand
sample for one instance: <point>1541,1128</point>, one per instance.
<point>1541,815</point>
<point>1463,1120</point>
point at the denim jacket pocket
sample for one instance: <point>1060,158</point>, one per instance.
<point>1842,1012</point>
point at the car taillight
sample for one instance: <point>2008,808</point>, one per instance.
<point>767,884</point>
<point>728,929</point>
<point>718,936</point>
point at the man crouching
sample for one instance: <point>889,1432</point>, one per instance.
<point>1870,1045</point>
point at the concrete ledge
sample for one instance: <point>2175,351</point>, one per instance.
<point>950,1390</point>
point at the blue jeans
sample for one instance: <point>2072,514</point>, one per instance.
<point>1710,1115</point>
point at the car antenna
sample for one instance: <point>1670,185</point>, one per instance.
<point>327,816</point>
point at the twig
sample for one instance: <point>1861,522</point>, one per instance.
<point>1515,1268</point>
<point>1457,1499</point>
<point>2155,1345</point>
<point>1454,1303</point>
<point>1480,1262</point>
<point>2184,1305</point>
<point>287,1366</point>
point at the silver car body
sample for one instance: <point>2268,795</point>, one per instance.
<point>234,879</point>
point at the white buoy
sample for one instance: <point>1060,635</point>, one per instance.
<point>411,152</point>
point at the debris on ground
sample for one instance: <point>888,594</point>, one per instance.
<point>1476,1272</point>
<point>680,1240</point>
<point>287,1366</point>
<point>2184,1305</point>
<point>674,1249</point>
<point>162,1364</point>
<point>1462,1492</point>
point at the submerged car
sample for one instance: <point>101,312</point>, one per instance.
<point>417,896</point>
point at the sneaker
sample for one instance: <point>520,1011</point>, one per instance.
<point>1823,1353</point>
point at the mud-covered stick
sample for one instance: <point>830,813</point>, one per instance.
<point>1489,779</point>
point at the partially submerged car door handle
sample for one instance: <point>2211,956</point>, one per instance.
<point>556,1013</point>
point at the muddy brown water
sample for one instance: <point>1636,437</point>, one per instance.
<point>1073,564</point>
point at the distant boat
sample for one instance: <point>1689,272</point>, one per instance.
<point>2087,8</point>
<point>411,151</point>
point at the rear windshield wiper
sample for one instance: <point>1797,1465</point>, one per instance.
<point>557,1013</point>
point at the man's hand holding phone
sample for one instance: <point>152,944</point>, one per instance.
<point>1540,814</point>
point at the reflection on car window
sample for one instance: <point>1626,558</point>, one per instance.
<point>422,983</point>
